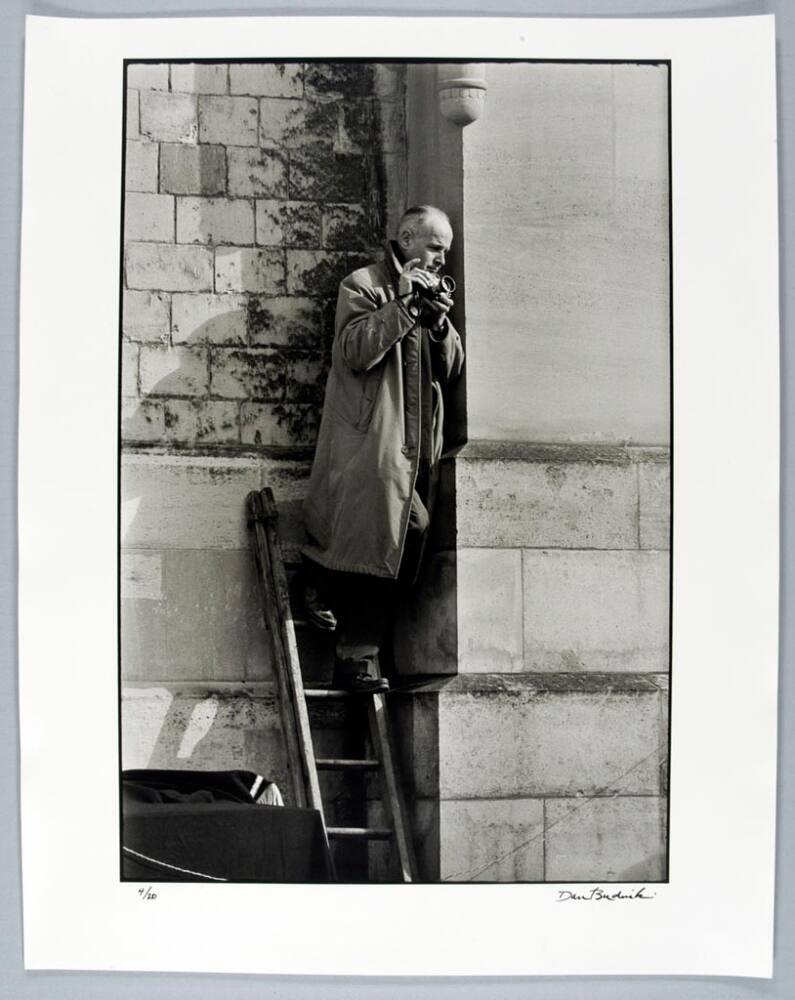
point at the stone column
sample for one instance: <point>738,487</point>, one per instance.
<point>537,750</point>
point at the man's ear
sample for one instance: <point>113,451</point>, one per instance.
<point>405,238</point>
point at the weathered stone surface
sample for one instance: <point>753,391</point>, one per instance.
<point>168,117</point>
<point>514,744</point>
<point>317,173</point>
<point>338,80</point>
<point>256,173</point>
<point>203,317</point>
<point>141,166</point>
<point>290,124</point>
<point>133,116</point>
<point>169,268</point>
<point>173,371</point>
<point>275,80</point>
<point>240,269</point>
<point>393,126</point>
<point>199,78</point>
<point>495,840</point>
<point>142,420</point>
<point>252,374</point>
<point>280,424</point>
<point>346,227</point>
<point>175,502</point>
<point>129,369</point>
<point>314,272</point>
<point>192,169</point>
<point>201,421</point>
<point>596,610</point>
<point>149,217</point>
<point>556,504</point>
<point>357,129</point>
<point>164,726</point>
<point>148,76</point>
<point>388,81</point>
<point>284,321</point>
<point>231,121</point>
<point>141,576</point>
<point>288,223</point>
<point>146,315</point>
<point>489,583</point>
<point>654,486</point>
<point>215,220</point>
<point>306,379</point>
<point>612,839</point>
<point>396,189</point>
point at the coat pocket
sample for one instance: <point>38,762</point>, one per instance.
<point>371,384</point>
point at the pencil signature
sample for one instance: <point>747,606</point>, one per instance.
<point>597,893</point>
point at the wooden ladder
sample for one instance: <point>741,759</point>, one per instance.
<point>262,521</point>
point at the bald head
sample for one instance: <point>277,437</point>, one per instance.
<point>425,234</point>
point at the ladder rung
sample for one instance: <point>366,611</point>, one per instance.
<point>360,832</point>
<point>329,693</point>
<point>342,763</point>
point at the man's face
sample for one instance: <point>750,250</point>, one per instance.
<point>430,242</point>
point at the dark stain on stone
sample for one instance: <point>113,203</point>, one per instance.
<point>317,173</point>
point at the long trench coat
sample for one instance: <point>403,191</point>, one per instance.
<point>380,435</point>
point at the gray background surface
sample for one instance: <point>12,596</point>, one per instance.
<point>16,983</point>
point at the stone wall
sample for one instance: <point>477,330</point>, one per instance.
<point>252,189</point>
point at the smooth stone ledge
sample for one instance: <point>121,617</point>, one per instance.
<point>533,684</point>
<point>575,452</point>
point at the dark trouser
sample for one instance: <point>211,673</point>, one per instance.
<point>365,605</point>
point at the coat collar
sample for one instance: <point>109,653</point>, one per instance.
<point>393,260</point>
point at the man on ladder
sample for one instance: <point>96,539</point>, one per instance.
<point>373,480</point>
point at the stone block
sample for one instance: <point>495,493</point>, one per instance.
<point>266,80</point>
<point>346,227</point>
<point>199,317</point>
<point>490,610</point>
<point>251,374</point>
<point>192,169</point>
<point>425,637</point>
<point>289,124</point>
<point>392,117</point>
<point>173,371</point>
<point>357,131</point>
<point>318,173</point>
<point>595,610</point>
<point>388,81</point>
<point>281,425</point>
<point>494,840</point>
<point>133,120</point>
<point>176,502</point>
<point>201,421</point>
<point>215,220</point>
<point>149,217</point>
<point>306,379</point>
<point>142,420</point>
<point>285,321</point>
<point>316,273</point>
<point>199,78</point>
<point>203,727</point>
<point>288,223</point>
<point>618,839</point>
<point>654,489</point>
<point>169,117</point>
<point>129,369</point>
<point>337,80</point>
<point>239,269</point>
<point>396,188</point>
<point>148,76</point>
<point>145,316</point>
<point>231,121</point>
<point>256,173</point>
<point>140,168</point>
<point>169,268</point>
<point>141,576</point>
<point>552,503</point>
<point>506,741</point>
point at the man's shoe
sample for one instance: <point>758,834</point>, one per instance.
<point>317,611</point>
<point>353,676</point>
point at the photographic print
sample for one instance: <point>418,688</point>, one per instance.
<point>395,471</point>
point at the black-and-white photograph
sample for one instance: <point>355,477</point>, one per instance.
<point>395,494</point>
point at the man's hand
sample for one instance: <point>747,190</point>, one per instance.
<point>412,275</point>
<point>436,310</point>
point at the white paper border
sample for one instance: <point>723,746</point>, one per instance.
<point>715,915</point>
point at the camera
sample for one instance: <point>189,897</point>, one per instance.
<point>441,284</point>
